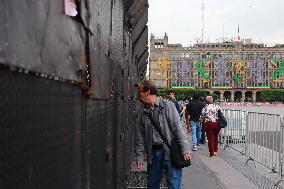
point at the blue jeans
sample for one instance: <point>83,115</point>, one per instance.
<point>155,171</point>
<point>196,132</point>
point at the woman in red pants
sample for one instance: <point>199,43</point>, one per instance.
<point>209,118</point>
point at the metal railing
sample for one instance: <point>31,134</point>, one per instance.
<point>234,135</point>
<point>258,136</point>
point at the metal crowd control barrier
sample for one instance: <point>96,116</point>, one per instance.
<point>281,152</point>
<point>263,144</point>
<point>234,135</point>
<point>258,136</point>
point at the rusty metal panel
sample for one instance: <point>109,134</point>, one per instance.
<point>102,68</point>
<point>100,120</point>
<point>37,36</point>
<point>142,61</point>
<point>118,81</point>
<point>128,4</point>
<point>136,10</point>
<point>117,35</point>
<point>102,72</point>
<point>139,27</point>
<point>142,72</point>
<point>140,45</point>
<point>100,23</point>
<point>62,139</point>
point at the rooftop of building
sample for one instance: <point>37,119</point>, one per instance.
<point>162,42</point>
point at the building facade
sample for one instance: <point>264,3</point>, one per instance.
<point>234,71</point>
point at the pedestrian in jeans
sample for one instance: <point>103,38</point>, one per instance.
<point>210,120</point>
<point>150,142</point>
<point>193,110</point>
<point>202,139</point>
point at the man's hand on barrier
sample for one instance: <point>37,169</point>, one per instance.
<point>186,157</point>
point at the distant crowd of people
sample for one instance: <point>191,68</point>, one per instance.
<point>201,116</point>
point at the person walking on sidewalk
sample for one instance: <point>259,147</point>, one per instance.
<point>193,110</point>
<point>171,97</point>
<point>202,139</point>
<point>150,142</point>
<point>210,120</point>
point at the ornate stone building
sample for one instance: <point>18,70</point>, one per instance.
<point>234,71</point>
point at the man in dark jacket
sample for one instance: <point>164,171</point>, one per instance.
<point>193,109</point>
<point>171,97</point>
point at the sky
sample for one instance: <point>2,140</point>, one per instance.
<point>260,20</point>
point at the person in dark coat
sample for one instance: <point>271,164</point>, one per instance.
<point>171,97</point>
<point>193,109</point>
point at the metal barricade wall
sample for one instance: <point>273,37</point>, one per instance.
<point>263,139</point>
<point>52,137</point>
<point>68,101</point>
<point>282,150</point>
<point>234,135</point>
<point>40,138</point>
<point>258,136</point>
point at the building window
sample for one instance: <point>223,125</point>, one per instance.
<point>158,55</point>
<point>159,83</point>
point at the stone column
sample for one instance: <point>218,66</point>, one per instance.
<point>254,96</point>
<point>233,96</point>
<point>243,96</point>
<point>221,95</point>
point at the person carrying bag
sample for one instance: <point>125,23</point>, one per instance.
<point>159,139</point>
<point>222,119</point>
<point>177,158</point>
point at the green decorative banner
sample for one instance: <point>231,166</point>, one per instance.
<point>258,87</point>
<point>201,71</point>
<point>222,87</point>
<point>236,78</point>
<point>279,71</point>
<point>273,60</point>
<point>182,87</point>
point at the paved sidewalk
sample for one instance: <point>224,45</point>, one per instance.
<point>197,176</point>
<point>224,174</point>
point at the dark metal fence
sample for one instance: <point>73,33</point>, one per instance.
<point>53,137</point>
<point>67,96</point>
<point>40,133</point>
